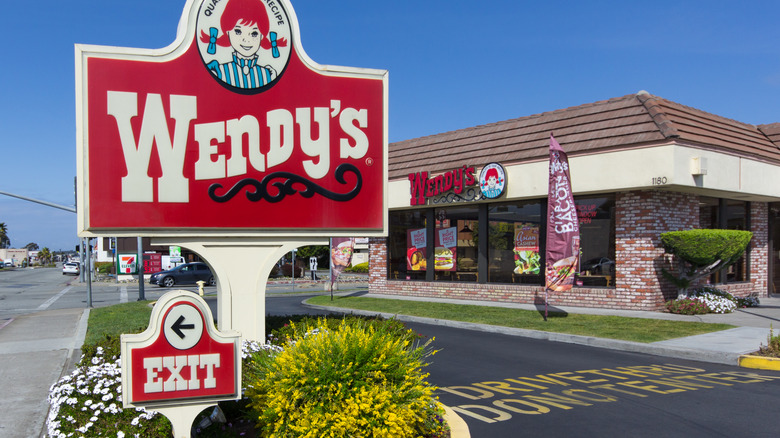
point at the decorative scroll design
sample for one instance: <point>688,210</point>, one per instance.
<point>470,194</point>
<point>285,182</point>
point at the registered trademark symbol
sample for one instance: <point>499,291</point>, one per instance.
<point>369,161</point>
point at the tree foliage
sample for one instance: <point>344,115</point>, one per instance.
<point>5,242</point>
<point>700,253</point>
<point>44,256</point>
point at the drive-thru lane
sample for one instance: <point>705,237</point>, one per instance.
<point>506,386</point>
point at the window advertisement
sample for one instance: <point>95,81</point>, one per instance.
<point>527,257</point>
<point>416,241</point>
<point>446,249</point>
<point>597,241</point>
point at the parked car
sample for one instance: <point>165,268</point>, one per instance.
<point>599,266</point>
<point>70,268</point>
<point>188,273</point>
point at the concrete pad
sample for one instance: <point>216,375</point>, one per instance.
<point>740,340</point>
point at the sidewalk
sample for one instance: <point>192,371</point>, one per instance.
<point>37,349</point>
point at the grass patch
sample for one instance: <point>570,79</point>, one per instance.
<point>612,327</point>
<point>122,318</point>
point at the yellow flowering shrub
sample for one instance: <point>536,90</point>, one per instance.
<point>358,380</point>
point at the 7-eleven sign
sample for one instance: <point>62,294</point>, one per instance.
<point>127,263</point>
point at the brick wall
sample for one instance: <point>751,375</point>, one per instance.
<point>759,249</point>
<point>641,217</point>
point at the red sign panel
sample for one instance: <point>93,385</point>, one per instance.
<point>180,358</point>
<point>232,128</point>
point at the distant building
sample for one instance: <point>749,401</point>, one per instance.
<point>16,255</point>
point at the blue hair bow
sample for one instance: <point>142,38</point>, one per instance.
<point>213,34</point>
<point>274,47</point>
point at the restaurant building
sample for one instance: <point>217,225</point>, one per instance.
<point>640,165</point>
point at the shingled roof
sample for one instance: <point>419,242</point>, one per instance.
<point>631,121</point>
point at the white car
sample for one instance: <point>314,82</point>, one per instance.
<point>70,268</point>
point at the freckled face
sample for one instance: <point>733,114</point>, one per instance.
<point>245,39</point>
<point>492,182</point>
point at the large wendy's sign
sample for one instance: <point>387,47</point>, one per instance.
<point>230,129</point>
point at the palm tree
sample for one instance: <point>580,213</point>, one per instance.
<point>5,242</point>
<point>44,256</point>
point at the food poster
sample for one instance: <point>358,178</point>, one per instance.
<point>527,257</point>
<point>416,242</point>
<point>446,249</point>
<point>341,249</point>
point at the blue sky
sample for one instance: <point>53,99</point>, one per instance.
<point>453,64</point>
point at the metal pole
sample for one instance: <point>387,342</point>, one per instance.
<point>82,265</point>
<point>330,267</point>
<point>293,270</point>
<point>87,265</point>
<point>116,265</point>
<point>140,264</point>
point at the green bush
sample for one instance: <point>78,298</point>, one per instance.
<point>703,247</point>
<point>772,349</point>
<point>700,253</point>
<point>360,267</point>
<point>359,379</point>
<point>288,331</point>
<point>687,306</point>
<point>104,267</point>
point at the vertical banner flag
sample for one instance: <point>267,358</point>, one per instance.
<point>340,254</point>
<point>563,231</point>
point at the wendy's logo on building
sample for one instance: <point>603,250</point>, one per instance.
<point>492,180</point>
<point>244,44</point>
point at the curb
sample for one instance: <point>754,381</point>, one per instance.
<point>458,427</point>
<point>759,362</point>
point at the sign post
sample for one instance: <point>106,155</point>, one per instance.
<point>180,364</point>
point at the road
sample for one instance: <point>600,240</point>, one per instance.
<point>505,386</point>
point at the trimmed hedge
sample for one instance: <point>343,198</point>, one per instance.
<point>704,247</point>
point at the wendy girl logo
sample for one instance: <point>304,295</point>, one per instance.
<point>244,43</point>
<point>492,180</point>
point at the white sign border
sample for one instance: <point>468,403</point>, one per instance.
<point>132,342</point>
<point>186,32</point>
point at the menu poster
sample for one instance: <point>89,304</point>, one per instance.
<point>416,242</point>
<point>527,257</point>
<point>446,249</point>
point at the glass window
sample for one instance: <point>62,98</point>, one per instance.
<point>456,240</point>
<point>737,219</point>
<point>597,241</point>
<point>726,214</point>
<point>513,244</point>
<point>406,246</point>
